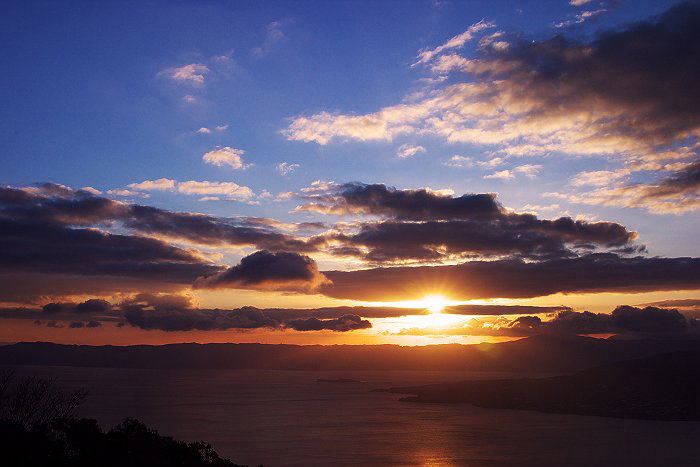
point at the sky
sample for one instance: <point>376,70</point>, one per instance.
<point>181,171</point>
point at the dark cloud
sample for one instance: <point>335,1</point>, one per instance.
<point>683,302</point>
<point>637,88</point>
<point>60,205</point>
<point>58,307</point>
<point>34,288</point>
<point>158,302</point>
<point>501,309</point>
<point>430,226</point>
<point>689,306</point>
<point>513,278</point>
<point>77,324</point>
<point>421,204</point>
<point>203,320</point>
<point>241,318</point>
<point>93,305</point>
<point>32,247</point>
<point>267,270</point>
<point>436,240</point>
<point>625,319</point>
<point>210,230</point>
<point>685,181</point>
<point>343,324</point>
<point>59,232</point>
<point>648,75</point>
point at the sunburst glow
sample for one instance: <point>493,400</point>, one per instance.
<point>434,303</point>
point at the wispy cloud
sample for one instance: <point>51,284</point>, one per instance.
<point>273,36</point>
<point>207,131</point>
<point>456,42</point>
<point>192,74</point>
<point>459,162</point>
<point>286,168</point>
<point>408,150</point>
<point>581,18</point>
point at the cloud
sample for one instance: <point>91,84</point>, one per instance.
<point>419,204</point>
<point>207,131</point>
<point>158,302</point>
<point>501,175</point>
<point>58,307</point>
<point>141,312</point>
<point>37,247</point>
<point>343,324</point>
<point>92,190</point>
<point>273,36</point>
<point>675,194</point>
<point>626,93</point>
<point>161,184</point>
<point>286,168</point>
<point>128,193</point>
<point>642,322</point>
<point>529,170</point>
<point>514,278</point>
<point>430,226</point>
<point>226,156</point>
<point>52,232</point>
<point>192,74</point>
<point>93,305</point>
<point>597,177</point>
<point>579,2</point>
<point>230,190</point>
<point>407,150</point>
<point>496,310</point>
<point>268,271</point>
<point>456,42</point>
<point>203,320</point>
<point>460,162</point>
<point>581,18</point>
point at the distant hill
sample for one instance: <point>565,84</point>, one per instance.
<point>661,387</point>
<point>545,353</point>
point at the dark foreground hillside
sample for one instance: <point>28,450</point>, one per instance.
<point>661,387</point>
<point>38,428</point>
<point>82,443</point>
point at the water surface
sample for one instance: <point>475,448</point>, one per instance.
<point>286,418</point>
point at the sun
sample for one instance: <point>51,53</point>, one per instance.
<point>434,303</point>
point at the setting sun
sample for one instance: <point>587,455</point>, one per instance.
<point>434,303</point>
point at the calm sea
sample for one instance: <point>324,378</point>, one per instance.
<point>286,418</point>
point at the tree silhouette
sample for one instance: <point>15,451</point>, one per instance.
<point>38,428</point>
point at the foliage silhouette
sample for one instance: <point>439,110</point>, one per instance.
<point>38,428</point>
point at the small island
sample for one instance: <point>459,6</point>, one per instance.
<point>337,380</point>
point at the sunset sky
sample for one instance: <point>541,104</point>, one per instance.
<point>348,172</point>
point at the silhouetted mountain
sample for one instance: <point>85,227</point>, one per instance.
<point>661,387</point>
<point>545,353</point>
